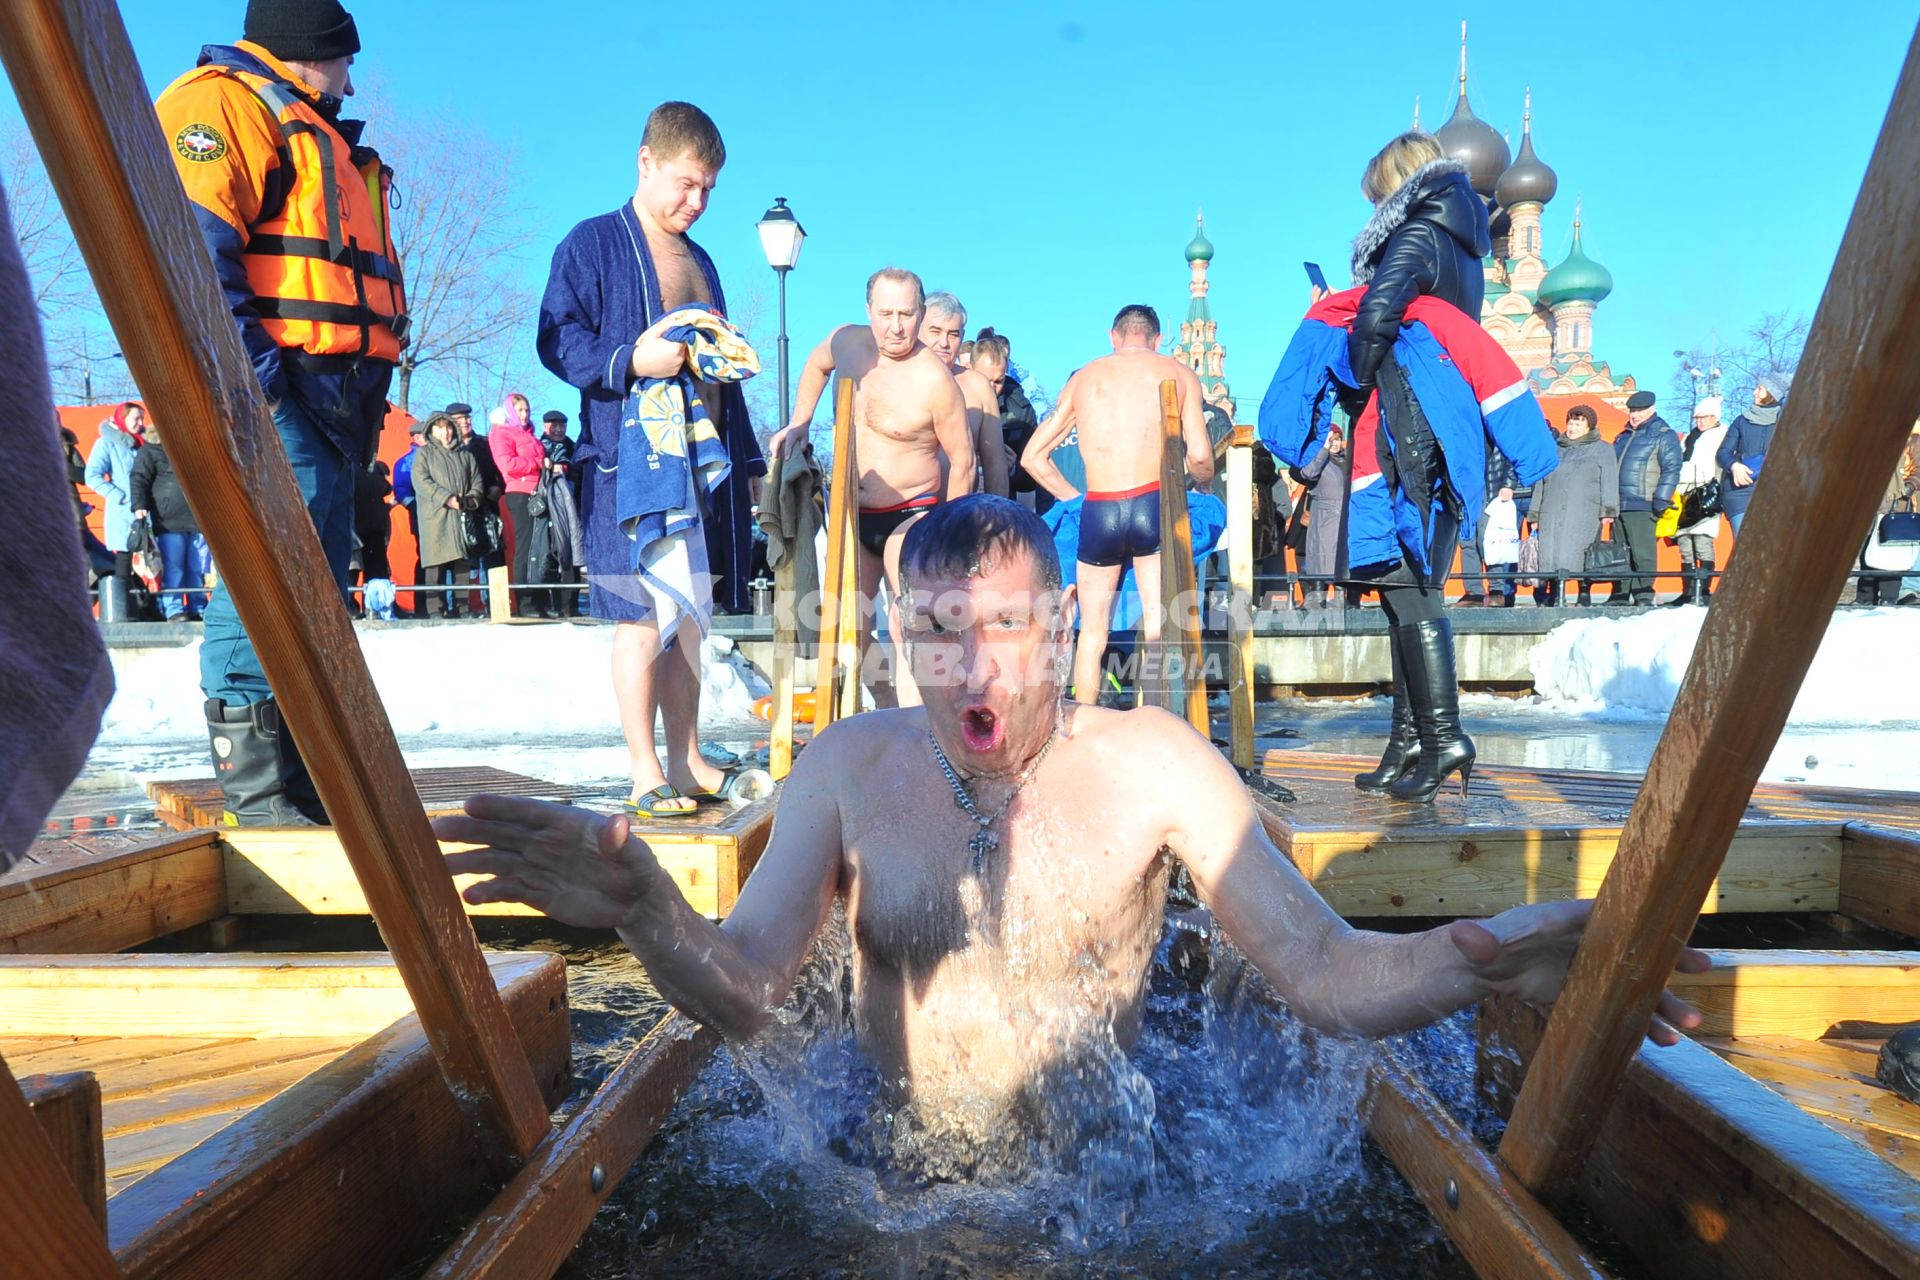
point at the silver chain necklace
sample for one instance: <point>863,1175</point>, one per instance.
<point>983,842</point>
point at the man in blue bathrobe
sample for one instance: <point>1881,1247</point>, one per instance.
<point>614,278</point>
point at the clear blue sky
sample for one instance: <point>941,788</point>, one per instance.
<point>1044,161</point>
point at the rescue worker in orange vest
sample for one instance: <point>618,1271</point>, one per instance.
<point>295,214</point>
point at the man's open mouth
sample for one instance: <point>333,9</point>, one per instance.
<point>980,728</point>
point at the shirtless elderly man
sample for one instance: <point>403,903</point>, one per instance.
<point>945,331</point>
<point>1003,867</point>
<point>1115,403</point>
<point>911,435</point>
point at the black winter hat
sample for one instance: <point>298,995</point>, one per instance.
<point>302,30</point>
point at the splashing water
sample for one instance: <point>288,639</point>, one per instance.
<point>1227,1141</point>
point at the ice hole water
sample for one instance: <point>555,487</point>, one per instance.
<point>1228,1141</point>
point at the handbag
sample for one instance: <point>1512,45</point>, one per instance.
<point>537,504</point>
<point>479,534</point>
<point>1606,558</point>
<point>1889,557</point>
<point>1530,560</point>
<point>1702,503</point>
<point>1668,525</point>
<point>1900,528</point>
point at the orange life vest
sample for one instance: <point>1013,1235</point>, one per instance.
<point>318,248</point>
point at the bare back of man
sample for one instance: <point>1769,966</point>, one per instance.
<point>1114,404</point>
<point>944,331</point>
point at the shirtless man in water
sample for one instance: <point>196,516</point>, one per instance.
<point>911,436</point>
<point>989,951</point>
<point>944,331</point>
<point>1115,402</point>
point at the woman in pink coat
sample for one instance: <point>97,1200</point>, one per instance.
<point>520,458</point>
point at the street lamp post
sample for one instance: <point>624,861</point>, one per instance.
<point>781,236</point>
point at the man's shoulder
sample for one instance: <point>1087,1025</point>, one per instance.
<point>599,229</point>
<point>870,737</point>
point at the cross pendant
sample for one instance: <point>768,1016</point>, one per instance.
<point>982,844</point>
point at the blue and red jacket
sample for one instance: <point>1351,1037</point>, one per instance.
<point>1468,388</point>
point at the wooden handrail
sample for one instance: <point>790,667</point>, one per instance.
<point>1839,440</point>
<point>836,692</point>
<point>46,1231</point>
<point>1240,604</point>
<point>85,100</point>
<point>1181,673</point>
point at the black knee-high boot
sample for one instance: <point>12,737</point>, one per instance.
<point>1433,687</point>
<point>1403,739</point>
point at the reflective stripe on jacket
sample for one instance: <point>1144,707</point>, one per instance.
<point>293,211</point>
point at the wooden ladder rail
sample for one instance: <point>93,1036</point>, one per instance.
<point>1840,437</point>
<point>1179,671</point>
<point>836,693</point>
<point>83,96</point>
<point>46,1230</point>
<point>786,643</point>
<point>1240,498</point>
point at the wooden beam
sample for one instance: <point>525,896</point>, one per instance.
<point>1182,674</point>
<point>1494,1221</point>
<point>843,553</point>
<point>1803,994</point>
<point>1880,877</point>
<point>1853,400</point>
<point>160,993</point>
<point>68,1109</point>
<point>85,101</point>
<point>1478,872</point>
<point>532,1225</point>
<point>786,640</point>
<point>1240,499</point>
<point>350,1172</point>
<point>46,1231</point>
<point>1703,1171</point>
<point>117,901</point>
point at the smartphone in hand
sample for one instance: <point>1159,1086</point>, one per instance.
<point>1316,276</point>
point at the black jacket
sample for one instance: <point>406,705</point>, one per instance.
<point>1650,458</point>
<point>481,451</point>
<point>154,488</point>
<point>1017,423</point>
<point>1426,239</point>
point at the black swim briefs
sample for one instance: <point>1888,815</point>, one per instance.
<point>876,524</point>
<point>1118,527</point>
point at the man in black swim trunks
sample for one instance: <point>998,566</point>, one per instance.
<point>1115,404</point>
<point>911,437</point>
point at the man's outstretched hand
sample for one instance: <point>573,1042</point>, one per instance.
<point>575,866</point>
<point>1525,953</point>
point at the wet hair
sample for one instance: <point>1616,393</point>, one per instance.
<point>961,538</point>
<point>1138,317</point>
<point>991,347</point>
<point>1585,413</point>
<point>680,129</point>
<point>899,275</point>
<point>1399,160</point>
<point>945,304</point>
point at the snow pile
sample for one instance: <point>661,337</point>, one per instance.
<point>1864,672</point>
<point>484,682</point>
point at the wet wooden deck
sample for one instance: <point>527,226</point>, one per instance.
<point>1833,1079</point>
<point>186,803</point>
<point>1525,835</point>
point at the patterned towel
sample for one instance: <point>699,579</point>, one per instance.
<point>670,456</point>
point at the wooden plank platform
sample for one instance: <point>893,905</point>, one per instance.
<point>1530,835</point>
<point>1833,1080</point>
<point>92,892</point>
<point>186,803</point>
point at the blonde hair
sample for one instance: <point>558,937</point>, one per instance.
<point>1399,160</point>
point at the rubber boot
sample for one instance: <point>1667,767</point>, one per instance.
<point>1706,581</point>
<point>1403,739</point>
<point>249,745</point>
<point>1434,689</point>
<point>1689,588</point>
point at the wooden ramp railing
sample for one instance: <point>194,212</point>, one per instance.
<point>46,1229</point>
<point>1240,498</point>
<point>1840,437</point>
<point>1178,671</point>
<point>836,692</point>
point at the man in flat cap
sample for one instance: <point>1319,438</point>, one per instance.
<point>1650,461</point>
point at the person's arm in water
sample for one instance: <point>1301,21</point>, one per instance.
<point>1037,457</point>
<point>588,870</point>
<point>1333,976</point>
<point>1193,427</point>
<point>951,430</point>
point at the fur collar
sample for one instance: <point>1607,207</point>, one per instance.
<point>1390,214</point>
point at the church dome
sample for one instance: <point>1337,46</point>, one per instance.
<point>1578,279</point>
<point>1199,249</point>
<point>1472,141</point>
<point>1528,178</point>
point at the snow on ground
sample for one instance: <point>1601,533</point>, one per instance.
<point>1631,666</point>
<point>444,683</point>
